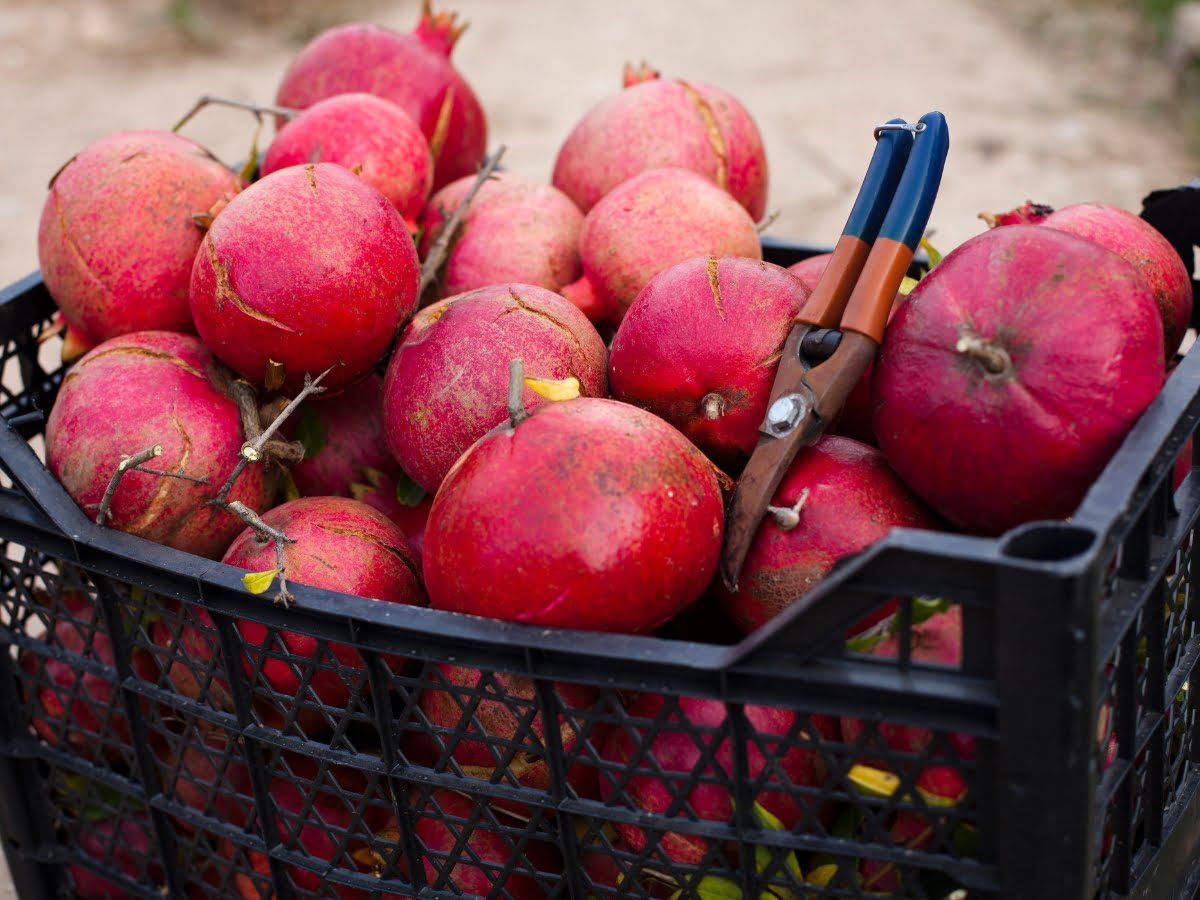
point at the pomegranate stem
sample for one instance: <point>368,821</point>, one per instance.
<point>788,517</point>
<point>995,359</point>
<point>516,388</point>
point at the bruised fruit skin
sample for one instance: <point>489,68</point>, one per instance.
<point>591,513</point>
<point>676,750</point>
<point>515,230</point>
<point>700,347</point>
<point>341,545</point>
<point>1143,246</point>
<point>654,220</point>
<point>131,393</point>
<point>1011,374</point>
<point>343,441</point>
<point>655,122</point>
<point>309,267</point>
<point>374,139</point>
<point>447,379</point>
<point>854,499</point>
<point>117,239</point>
<point>412,70</point>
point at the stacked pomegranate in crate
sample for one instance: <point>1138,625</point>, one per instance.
<point>388,367</point>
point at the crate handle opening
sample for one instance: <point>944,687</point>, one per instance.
<point>1049,541</point>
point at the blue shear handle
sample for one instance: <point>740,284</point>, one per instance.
<point>879,184</point>
<point>909,213</point>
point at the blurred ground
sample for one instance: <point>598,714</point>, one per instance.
<point>1058,102</point>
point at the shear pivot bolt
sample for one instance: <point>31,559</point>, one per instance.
<point>785,413</point>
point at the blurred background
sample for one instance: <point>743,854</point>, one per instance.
<point>1052,101</point>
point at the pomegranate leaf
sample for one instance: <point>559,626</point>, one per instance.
<point>865,642</point>
<point>822,875</point>
<point>287,485</point>
<point>907,284</point>
<point>310,432</point>
<point>554,388</point>
<point>873,782</point>
<point>925,608</point>
<point>712,887</point>
<point>935,256</point>
<point>251,165</point>
<point>408,492</point>
<point>257,582</point>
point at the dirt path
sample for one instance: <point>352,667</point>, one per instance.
<point>1060,109</point>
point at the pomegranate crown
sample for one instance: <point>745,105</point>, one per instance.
<point>438,31</point>
<point>632,75</point>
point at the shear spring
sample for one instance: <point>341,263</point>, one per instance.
<point>914,127</point>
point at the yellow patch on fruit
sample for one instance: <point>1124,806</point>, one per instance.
<point>257,582</point>
<point>554,388</point>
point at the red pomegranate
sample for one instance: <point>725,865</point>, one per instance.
<point>652,221</point>
<point>411,70</point>
<point>447,379</point>
<point>130,394</point>
<point>656,122</point>
<point>204,768</point>
<point>1012,373</point>
<point>845,497</point>
<point>309,267</point>
<point>124,846</point>
<point>515,230</point>
<point>116,238</point>
<point>408,506</point>
<point>590,513</point>
<point>374,139</point>
<point>678,751</point>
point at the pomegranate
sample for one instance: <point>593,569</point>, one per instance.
<point>342,545</point>
<point>124,846</point>
<point>447,380</point>
<point>132,393</point>
<point>809,270</point>
<point>845,497</point>
<point>343,441</point>
<point>309,267</point>
<point>700,347</point>
<point>204,769</point>
<point>591,513</point>
<point>374,139</point>
<point>652,221</point>
<point>1028,213</point>
<point>515,230</point>
<point>656,122</point>
<point>678,753</point>
<point>117,238</point>
<point>411,70</point>
<point>401,500</point>
<point>1011,374</point>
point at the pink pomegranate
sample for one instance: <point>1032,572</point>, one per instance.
<point>130,394</point>
<point>483,737</point>
<point>124,846</point>
<point>656,122</point>
<point>343,441</point>
<point>117,238</point>
<point>411,70</point>
<point>589,514</point>
<point>603,870</point>
<point>515,230</point>
<point>73,706</point>
<point>403,501</point>
<point>810,269</point>
<point>1028,213</point>
<point>1012,373</point>
<point>846,498</point>
<point>374,139</point>
<point>679,753</point>
<point>700,347</point>
<point>309,267</point>
<point>342,545</point>
<point>1141,244</point>
<point>652,221</point>
<point>447,380</point>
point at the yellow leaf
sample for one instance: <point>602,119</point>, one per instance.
<point>257,582</point>
<point>554,389</point>
<point>875,782</point>
<point>822,875</point>
<point>907,285</point>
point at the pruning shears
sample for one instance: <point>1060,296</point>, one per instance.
<point>836,334</point>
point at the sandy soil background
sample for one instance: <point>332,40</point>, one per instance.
<point>1059,102</point>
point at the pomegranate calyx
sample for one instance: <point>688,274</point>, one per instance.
<point>632,75</point>
<point>438,31</point>
<point>992,357</point>
<point>714,406</point>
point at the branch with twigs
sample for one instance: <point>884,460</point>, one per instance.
<point>134,464</point>
<point>266,534</point>
<point>258,109</point>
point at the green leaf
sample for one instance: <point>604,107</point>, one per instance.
<point>251,165</point>
<point>965,839</point>
<point>934,256</point>
<point>310,432</point>
<point>925,608</point>
<point>287,485</point>
<point>257,582</point>
<point>766,820</point>
<point>864,643</point>
<point>408,492</point>
<point>712,887</point>
<point>907,284</point>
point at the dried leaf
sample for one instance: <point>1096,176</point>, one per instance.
<point>287,486</point>
<point>554,388</point>
<point>258,582</point>
<point>275,375</point>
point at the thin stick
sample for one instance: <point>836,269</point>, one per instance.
<point>124,466</point>
<point>766,223</point>
<point>265,533</point>
<point>437,253</point>
<point>203,479</point>
<point>516,389</point>
<point>258,110</point>
<point>252,450</point>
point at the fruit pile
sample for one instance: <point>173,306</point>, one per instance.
<point>381,364</point>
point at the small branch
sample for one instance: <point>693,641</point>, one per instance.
<point>209,100</point>
<point>265,533</point>
<point>124,466</point>
<point>767,222</point>
<point>437,253</point>
<point>246,398</point>
<point>182,475</point>
<point>516,390</point>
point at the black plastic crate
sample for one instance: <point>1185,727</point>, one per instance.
<point>134,715</point>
